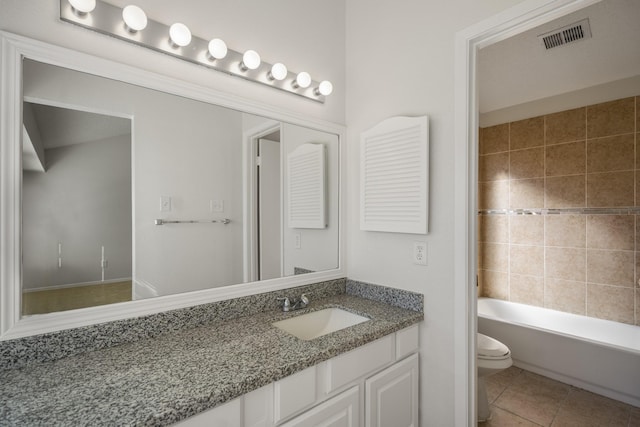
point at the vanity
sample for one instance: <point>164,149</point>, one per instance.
<point>238,371</point>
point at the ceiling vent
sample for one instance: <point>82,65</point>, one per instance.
<point>565,35</point>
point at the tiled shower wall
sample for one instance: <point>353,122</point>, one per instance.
<point>579,172</point>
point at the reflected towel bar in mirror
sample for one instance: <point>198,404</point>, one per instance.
<point>224,221</point>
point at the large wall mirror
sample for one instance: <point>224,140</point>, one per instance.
<point>129,193</point>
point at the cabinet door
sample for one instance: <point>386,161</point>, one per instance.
<point>340,411</point>
<point>392,396</point>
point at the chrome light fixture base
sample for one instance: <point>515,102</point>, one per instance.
<point>107,19</point>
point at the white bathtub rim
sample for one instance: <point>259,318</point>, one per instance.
<point>606,342</point>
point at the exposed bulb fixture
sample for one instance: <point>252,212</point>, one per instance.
<point>278,71</point>
<point>134,18</point>
<point>83,6</point>
<point>250,60</point>
<point>131,24</point>
<point>217,49</point>
<point>302,80</point>
<point>180,34</point>
<point>325,88</point>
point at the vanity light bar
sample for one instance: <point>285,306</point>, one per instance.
<point>108,19</point>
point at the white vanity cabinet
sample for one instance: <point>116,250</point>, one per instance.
<point>375,385</point>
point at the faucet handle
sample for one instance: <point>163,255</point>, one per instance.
<point>304,299</point>
<point>286,304</point>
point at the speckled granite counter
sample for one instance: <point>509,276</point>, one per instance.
<point>173,376</point>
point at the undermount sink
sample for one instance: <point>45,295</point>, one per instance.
<point>318,323</point>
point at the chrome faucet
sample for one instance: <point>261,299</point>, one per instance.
<point>290,305</point>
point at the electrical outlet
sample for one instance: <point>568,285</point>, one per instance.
<point>298,243</point>
<point>420,253</point>
<point>165,204</point>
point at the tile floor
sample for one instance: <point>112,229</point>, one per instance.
<point>522,398</point>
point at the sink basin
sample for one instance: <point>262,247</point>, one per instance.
<point>318,323</point>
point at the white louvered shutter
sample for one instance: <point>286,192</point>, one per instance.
<point>307,186</point>
<point>394,159</point>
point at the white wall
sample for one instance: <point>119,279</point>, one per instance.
<point>400,61</point>
<point>309,37</point>
<point>82,201</point>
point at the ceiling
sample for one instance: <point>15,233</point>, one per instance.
<point>520,70</point>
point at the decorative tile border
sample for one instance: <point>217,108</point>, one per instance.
<point>396,297</point>
<point>565,211</point>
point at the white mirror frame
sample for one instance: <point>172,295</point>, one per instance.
<point>13,49</point>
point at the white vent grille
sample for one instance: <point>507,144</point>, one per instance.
<point>393,176</point>
<point>565,35</point>
<point>306,186</point>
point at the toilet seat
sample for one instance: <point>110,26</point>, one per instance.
<point>491,349</point>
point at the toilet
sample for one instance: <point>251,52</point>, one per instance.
<point>493,357</point>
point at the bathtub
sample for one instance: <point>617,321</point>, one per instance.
<point>593,354</point>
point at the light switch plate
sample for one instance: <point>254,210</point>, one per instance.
<point>165,204</point>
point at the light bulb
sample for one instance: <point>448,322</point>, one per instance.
<point>83,6</point>
<point>250,60</point>
<point>302,80</point>
<point>180,34</point>
<point>217,49</point>
<point>134,18</point>
<point>325,88</point>
<point>278,71</point>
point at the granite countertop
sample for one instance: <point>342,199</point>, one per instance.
<point>165,379</point>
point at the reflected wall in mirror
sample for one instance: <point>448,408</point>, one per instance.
<point>89,211</point>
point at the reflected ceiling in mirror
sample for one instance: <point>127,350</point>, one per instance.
<point>108,159</point>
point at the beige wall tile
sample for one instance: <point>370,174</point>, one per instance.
<point>566,126</point>
<point>494,228</point>
<point>638,323</point>
<point>611,303</point>
<point>493,195</point>
<point>637,188</point>
<point>526,260</point>
<point>565,263</point>
<point>609,267</point>
<point>495,256</point>
<point>610,232</point>
<point>614,153</point>
<point>565,295</point>
<point>565,230</point>
<point>526,289</point>
<point>611,189</point>
<point>565,159</point>
<point>494,139</point>
<point>527,163</point>
<point>611,118</point>
<point>526,193</point>
<point>527,133</point>
<point>495,284</point>
<point>526,230</point>
<point>494,167</point>
<point>565,192</point>
<point>637,276</point>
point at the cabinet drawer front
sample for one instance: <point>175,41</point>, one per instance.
<point>227,415</point>
<point>350,366</point>
<point>293,393</point>
<point>407,341</point>
<point>340,411</point>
